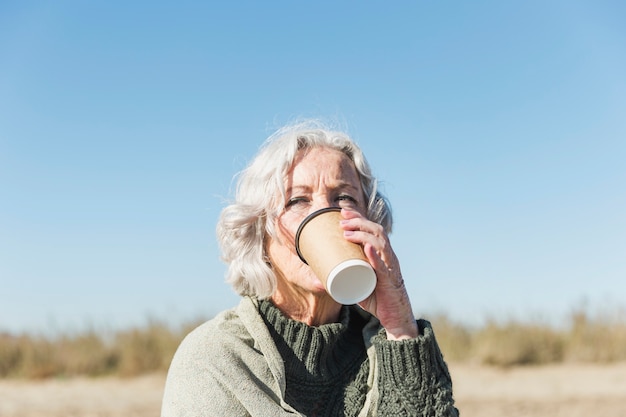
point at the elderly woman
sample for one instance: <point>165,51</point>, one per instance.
<point>288,348</point>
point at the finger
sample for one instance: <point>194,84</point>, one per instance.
<point>350,214</point>
<point>363,225</point>
<point>370,243</point>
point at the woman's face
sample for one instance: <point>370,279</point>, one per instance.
<point>319,178</point>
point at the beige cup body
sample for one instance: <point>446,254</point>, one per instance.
<point>340,265</point>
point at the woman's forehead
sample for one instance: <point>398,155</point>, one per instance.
<point>326,164</point>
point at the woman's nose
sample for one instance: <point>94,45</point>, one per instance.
<point>321,202</point>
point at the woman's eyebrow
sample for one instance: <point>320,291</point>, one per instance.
<point>341,186</point>
<point>346,185</point>
<point>296,188</point>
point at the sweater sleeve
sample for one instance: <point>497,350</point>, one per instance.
<point>413,377</point>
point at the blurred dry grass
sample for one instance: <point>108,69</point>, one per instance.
<point>586,338</point>
<point>126,353</point>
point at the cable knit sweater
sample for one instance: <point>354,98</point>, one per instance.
<point>253,361</point>
<point>326,367</point>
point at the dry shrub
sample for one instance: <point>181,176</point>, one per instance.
<point>146,350</point>
<point>87,354</point>
<point>596,338</point>
<point>589,337</point>
<point>455,339</point>
<point>515,343</point>
<point>91,353</point>
<point>43,357</point>
<point>10,355</point>
<point>25,356</point>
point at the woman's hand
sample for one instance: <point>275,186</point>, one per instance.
<point>390,301</point>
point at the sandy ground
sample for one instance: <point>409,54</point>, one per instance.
<point>563,390</point>
<point>554,391</point>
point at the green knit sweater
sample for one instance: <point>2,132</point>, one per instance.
<point>252,361</point>
<point>327,367</point>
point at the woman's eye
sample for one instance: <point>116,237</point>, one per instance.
<point>347,199</point>
<point>295,201</point>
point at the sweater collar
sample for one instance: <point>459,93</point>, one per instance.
<point>326,350</point>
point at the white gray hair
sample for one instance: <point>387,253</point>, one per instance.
<point>245,225</point>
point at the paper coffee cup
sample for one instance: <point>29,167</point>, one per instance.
<point>340,265</point>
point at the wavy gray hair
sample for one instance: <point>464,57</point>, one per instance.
<point>245,225</point>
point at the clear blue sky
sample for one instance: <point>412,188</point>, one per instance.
<point>497,128</point>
